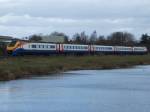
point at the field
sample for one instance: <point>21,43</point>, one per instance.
<point>25,67</point>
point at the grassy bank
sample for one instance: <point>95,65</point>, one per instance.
<point>20,67</point>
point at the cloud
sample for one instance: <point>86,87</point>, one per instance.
<point>8,4</point>
<point>79,8</point>
<point>24,17</point>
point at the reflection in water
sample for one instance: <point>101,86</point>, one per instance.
<point>120,90</point>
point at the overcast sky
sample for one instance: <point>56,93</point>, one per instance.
<point>21,18</point>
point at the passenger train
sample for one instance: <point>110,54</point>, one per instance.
<point>17,48</point>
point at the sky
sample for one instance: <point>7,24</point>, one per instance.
<point>21,18</point>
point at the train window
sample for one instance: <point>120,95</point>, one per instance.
<point>85,47</point>
<point>52,46</point>
<point>47,46</point>
<point>39,46</point>
<point>109,48</point>
<point>33,46</point>
<point>12,43</point>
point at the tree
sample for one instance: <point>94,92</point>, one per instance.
<point>93,37</point>
<point>80,38</point>
<point>121,38</point>
<point>101,40</point>
<point>35,38</point>
<point>84,38</point>
<point>145,39</point>
<point>66,39</point>
<point>57,34</point>
<point>76,38</point>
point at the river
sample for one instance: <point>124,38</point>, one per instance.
<point>118,90</point>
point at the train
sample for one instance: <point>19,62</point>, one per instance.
<point>20,48</point>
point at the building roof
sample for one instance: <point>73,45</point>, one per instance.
<point>54,39</point>
<point>5,38</point>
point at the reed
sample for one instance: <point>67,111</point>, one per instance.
<point>23,67</point>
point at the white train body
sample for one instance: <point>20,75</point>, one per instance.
<point>99,48</point>
<point>75,48</point>
<point>39,46</point>
<point>140,49</point>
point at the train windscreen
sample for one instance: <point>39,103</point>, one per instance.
<point>12,43</point>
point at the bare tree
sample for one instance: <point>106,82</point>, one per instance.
<point>121,38</point>
<point>93,37</point>
<point>35,38</point>
<point>101,40</point>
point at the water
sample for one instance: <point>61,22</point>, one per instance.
<point>121,90</point>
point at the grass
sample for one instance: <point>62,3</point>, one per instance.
<point>20,67</point>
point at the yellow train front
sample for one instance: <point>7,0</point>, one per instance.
<point>13,46</point>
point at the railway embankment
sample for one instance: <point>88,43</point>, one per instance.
<point>12,68</point>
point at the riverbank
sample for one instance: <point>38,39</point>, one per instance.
<point>23,67</point>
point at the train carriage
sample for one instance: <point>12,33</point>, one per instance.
<point>74,49</point>
<point>140,50</point>
<point>99,49</point>
<point>27,48</point>
<point>123,50</point>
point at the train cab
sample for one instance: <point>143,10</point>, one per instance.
<point>12,46</point>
